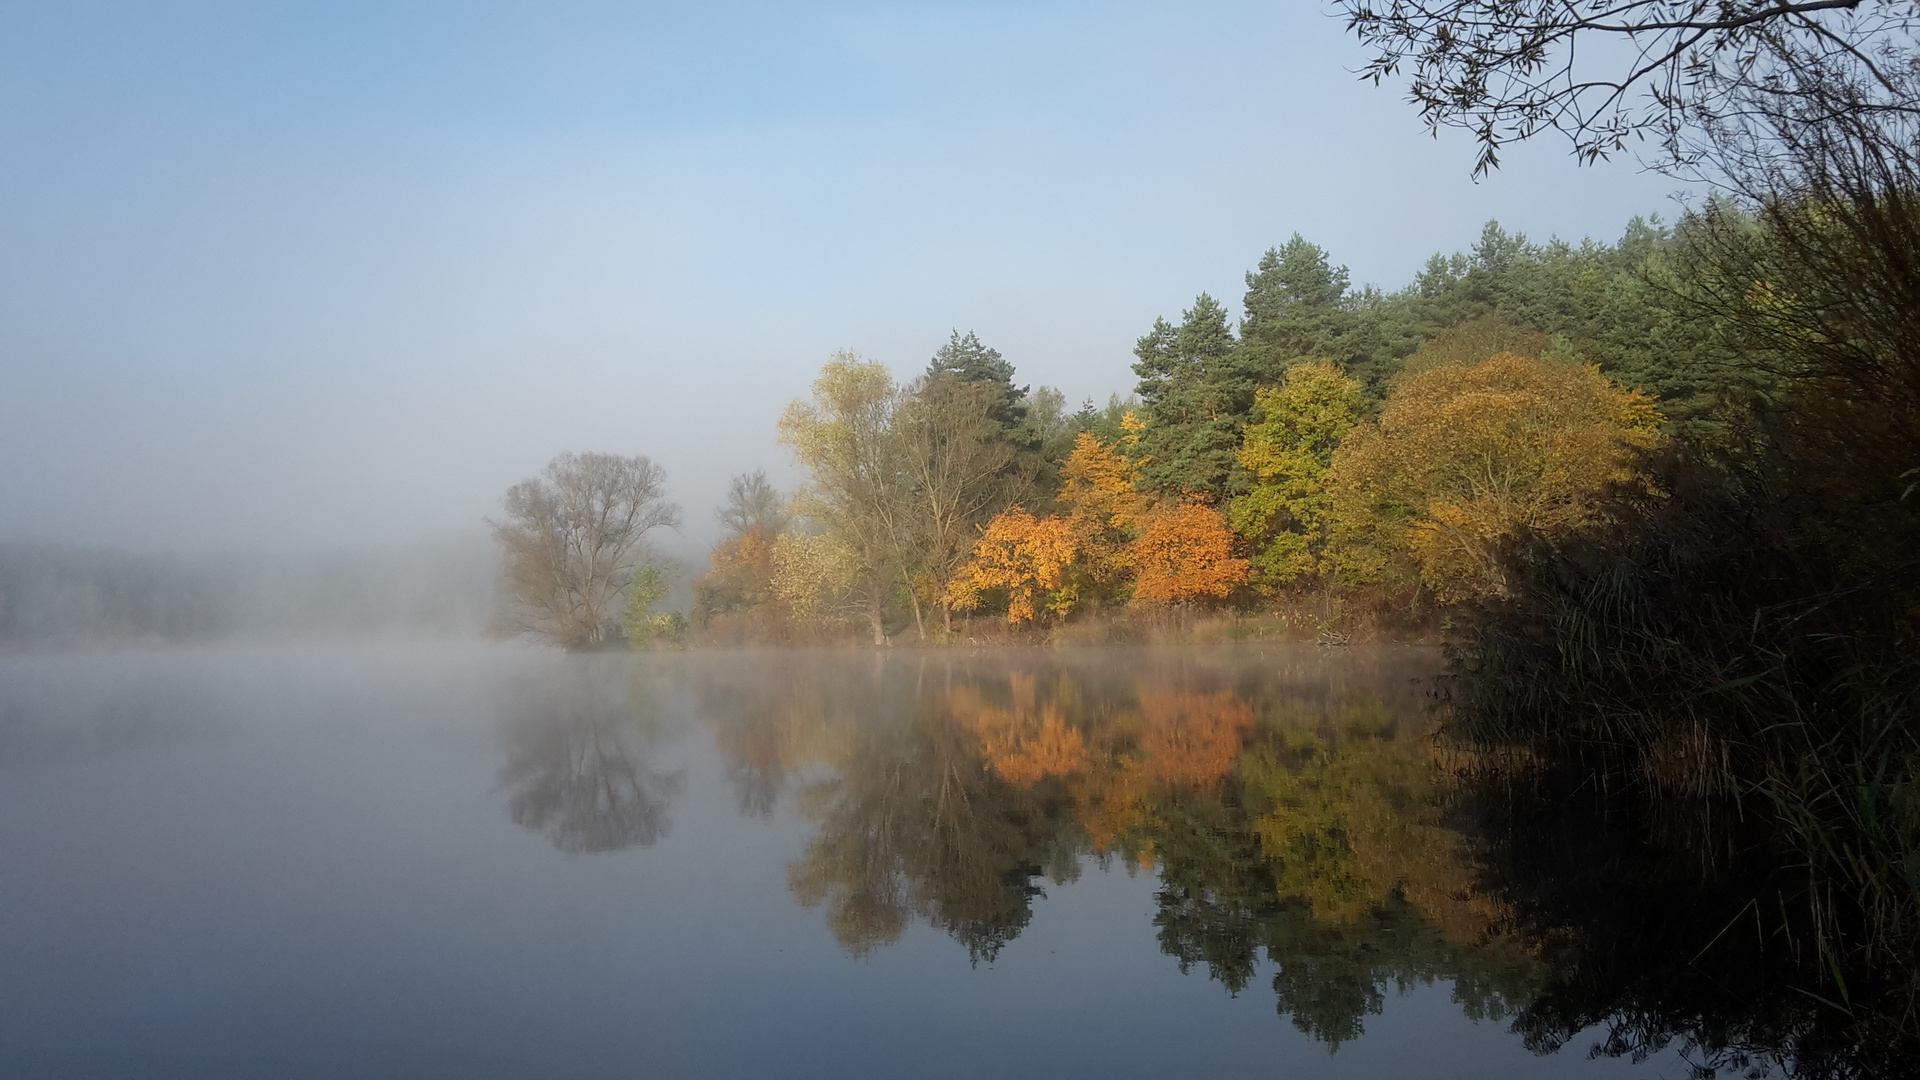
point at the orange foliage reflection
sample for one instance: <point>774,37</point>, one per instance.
<point>1024,742</point>
<point>1191,737</point>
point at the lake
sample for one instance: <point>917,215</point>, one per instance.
<point>472,860</point>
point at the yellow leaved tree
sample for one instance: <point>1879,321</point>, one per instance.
<point>1467,460</point>
<point>1099,491</point>
<point>814,575</point>
<point>849,438</point>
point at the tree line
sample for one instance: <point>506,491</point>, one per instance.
<point>1657,493</point>
<point>1334,445</point>
<point>1353,457</point>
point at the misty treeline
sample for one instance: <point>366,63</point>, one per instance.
<point>66,596</point>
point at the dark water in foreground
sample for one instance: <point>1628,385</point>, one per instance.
<point>472,861</point>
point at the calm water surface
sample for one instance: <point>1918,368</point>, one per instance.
<point>474,861</point>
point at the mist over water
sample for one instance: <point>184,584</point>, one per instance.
<point>485,860</point>
<point>66,597</point>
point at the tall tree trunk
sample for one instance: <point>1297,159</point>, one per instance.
<point>873,613</point>
<point>919,624</point>
<point>946,619</point>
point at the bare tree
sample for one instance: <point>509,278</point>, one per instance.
<point>753,503</point>
<point>1604,72</point>
<point>581,769</point>
<point>572,539</point>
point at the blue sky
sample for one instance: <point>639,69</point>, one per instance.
<point>315,276</point>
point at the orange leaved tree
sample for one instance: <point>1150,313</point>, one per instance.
<point>1026,557</point>
<point>1184,552</point>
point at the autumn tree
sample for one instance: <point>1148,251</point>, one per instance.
<point>1184,553</point>
<point>1029,559</point>
<point>814,575</point>
<point>849,438</point>
<point>573,538</point>
<point>1100,493</point>
<point>1284,516</point>
<point>1468,461</point>
<point>1053,563</point>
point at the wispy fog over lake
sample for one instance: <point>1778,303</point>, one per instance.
<point>475,861</point>
<point>64,597</point>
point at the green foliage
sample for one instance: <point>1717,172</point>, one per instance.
<point>1471,342</point>
<point>643,628</point>
<point>966,359</point>
<point>1195,399</point>
<point>1284,515</point>
<point>1299,306</point>
<point>1749,636</point>
<point>1661,489</point>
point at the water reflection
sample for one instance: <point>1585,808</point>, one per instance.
<point>910,822</point>
<point>579,766</point>
<point>1693,938</point>
<point>1287,816</point>
<point>1300,826</point>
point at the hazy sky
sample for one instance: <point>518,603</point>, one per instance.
<point>322,275</point>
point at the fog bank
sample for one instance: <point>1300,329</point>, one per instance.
<point>64,597</point>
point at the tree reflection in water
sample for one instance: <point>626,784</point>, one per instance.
<point>1683,925</point>
<point>947,792</point>
<point>578,766</point>
<point>1298,820</point>
<point>910,822</point>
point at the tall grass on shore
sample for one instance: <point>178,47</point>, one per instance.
<point>1687,670</point>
